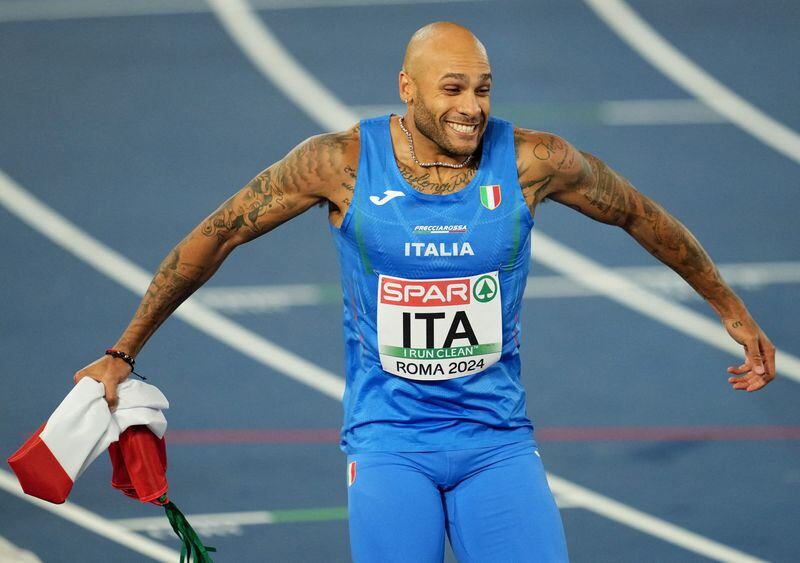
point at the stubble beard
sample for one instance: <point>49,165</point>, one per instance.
<point>427,124</point>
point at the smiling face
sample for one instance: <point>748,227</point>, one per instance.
<point>447,78</point>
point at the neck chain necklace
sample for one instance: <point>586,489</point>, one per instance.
<point>428,164</point>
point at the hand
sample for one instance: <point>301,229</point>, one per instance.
<point>758,368</point>
<point>110,372</point>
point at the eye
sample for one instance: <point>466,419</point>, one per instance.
<point>451,89</point>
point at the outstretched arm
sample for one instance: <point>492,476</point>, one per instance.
<point>313,172</point>
<point>550,167</point>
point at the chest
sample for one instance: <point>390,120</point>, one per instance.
<point>478,229</point>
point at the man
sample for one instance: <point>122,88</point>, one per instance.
<point>431,213</point>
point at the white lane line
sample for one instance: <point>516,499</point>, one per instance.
<point>94,523</point>
<point>280,67</point>
<point>107,261</point>
<point>231,523</point>
<point>258,43</point>
<point>48,10</point>
<point>608,112</point>
<point>648,524</point>
<point>659,52</point>
<point>657,112</point>
<point>10,553</point>
<point>206,525</point>
<point>237,18</point>
<point>267,298</point>
<point>567,495</point>
<point>591,274</point>
<point>255,299</point>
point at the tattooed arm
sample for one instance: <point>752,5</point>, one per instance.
<point>320,170</point>
<point>550,167</point>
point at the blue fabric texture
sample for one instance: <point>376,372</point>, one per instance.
<point>384,232</point>
<point>493,502</point>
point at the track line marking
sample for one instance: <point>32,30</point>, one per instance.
<point>646,523</point>
<point>113,265</point>
<point>608,112</point>
<point>10,553</point>
<point>542,435</point>
<point>657,112</point>
<point>228,523</point>
<point>673,64</point>
<point>255,299</point>
<point>286,73</point>
<point>594,276</point>
<point>49,10</point>
<point>258,43</point>
<point>94,523</point>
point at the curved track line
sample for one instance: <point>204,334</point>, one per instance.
<point>282,69</point>
<point>617,287</point>
<point>246,29</point>
<point>115,266</point>
<point>660,53</point>
<point>93,522</point>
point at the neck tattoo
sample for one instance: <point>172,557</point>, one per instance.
<point>427,164</point>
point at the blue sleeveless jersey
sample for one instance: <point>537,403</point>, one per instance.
<point>432,288</point>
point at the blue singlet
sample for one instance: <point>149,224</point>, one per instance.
<point>432,290</point>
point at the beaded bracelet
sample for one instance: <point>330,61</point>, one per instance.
<point>127,358</point>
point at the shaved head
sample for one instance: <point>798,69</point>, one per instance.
<point>439,40</point>
<point>445,82</point>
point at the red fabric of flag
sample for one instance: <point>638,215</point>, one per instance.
<point>39,472</point>
<point>139,461</point>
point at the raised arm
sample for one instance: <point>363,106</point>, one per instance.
<point>549,167</point>
<point>319,170</point>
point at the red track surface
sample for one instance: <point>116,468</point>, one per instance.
<point>554,434</point>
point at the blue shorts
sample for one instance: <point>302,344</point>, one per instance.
<point>494,504</point>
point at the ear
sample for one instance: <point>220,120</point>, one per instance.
<point>406,87</point>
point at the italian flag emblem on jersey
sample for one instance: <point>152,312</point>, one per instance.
<point>490,196</point>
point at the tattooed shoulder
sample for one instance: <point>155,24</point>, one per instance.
<point>540,151</point>
<point>311,173</point>
<point>541,159</point>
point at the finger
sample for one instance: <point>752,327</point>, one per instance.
<point>753,353</point>
<point>769,358</point>
<point>111,394</point>
<point>744,368</point>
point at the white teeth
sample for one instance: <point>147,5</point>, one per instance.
<point>461,128</point>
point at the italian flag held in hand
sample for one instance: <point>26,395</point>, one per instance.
<point>82,427</point>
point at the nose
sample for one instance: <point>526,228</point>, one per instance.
<point>468,105</point>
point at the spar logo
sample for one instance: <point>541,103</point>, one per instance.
<point>485,289</point>
<point>426,293</point>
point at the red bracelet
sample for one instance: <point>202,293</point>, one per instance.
<point>127,358</point>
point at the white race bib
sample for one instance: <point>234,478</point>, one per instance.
<point>439,329</point>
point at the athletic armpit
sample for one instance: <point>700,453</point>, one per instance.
<point>318,170</point>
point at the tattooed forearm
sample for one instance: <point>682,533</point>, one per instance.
<point>175,280</point>
<point>310,173</point>
<point>672,243</point>
<point>549,167</point>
